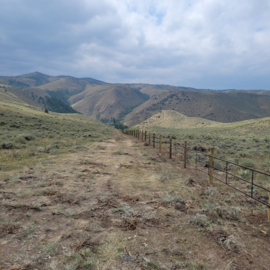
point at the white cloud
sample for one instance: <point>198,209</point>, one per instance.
<point>201,43</point>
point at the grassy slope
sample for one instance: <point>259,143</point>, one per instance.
<point>170,118</point>
<point>236,141</point>
<point>22,120</point>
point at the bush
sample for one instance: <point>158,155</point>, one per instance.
<point>41,149</point>
<point>218,165</point>
<point>7,145</point>
<point>164,176</point>
<point>199,220</point>
<point>249,163</point>
<point>20,140</point>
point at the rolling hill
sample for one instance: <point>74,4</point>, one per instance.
<point>134,103</point>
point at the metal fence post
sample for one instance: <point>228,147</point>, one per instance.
<point>252,180</point>
<point>196,159</point>
<point>145,135</point>
<point>170,147</point>
<point>160,142</point>
<point>211,164</point>
<point>269,208</point>
<point>226,172</point>
<point>154,137</point>
<point>185,154</point>
<point>149,135</point>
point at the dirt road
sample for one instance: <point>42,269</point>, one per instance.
<point>120,205</point>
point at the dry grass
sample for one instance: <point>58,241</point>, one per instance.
<point>67,216</point>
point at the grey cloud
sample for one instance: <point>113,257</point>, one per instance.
<point>200,43</point>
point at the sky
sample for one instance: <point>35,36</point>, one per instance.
<point>213,44</point>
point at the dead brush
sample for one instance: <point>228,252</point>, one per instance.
<point>224,213</point>
<point>129,224</point>
<point>8,227</point>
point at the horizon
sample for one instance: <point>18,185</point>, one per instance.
<point>232,89</point>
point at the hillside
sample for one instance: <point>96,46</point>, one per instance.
<point>107,101</point>
<point>170,118</point>
<point>215,106</point>
<point>35,97</point>
<point>134,103</point>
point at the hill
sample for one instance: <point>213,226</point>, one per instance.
<point>134,103</point>
<point>170,118</point>
<point>215,106</point>
<point>108,100</point>
<point>35,97</point>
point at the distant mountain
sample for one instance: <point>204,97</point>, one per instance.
<point>136,102</point>
<point>44,91</point>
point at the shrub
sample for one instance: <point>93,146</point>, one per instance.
<point>41,149</point>
<point>20,140</point>
<point>218,165</point>
<point>249,163</point>
<point>199,220</point>
<point>7,145</point>
<point>164,176</point>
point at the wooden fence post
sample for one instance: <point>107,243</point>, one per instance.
<point>145,136</point>
<point>154,137</point>
<point>142,135</point>
<point>211,164</point>
<point>185,154</point>
<point>149,134</point>
<point>160,142</point>
<point>170,147</point>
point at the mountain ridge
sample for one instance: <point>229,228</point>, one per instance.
<point>135,102</point>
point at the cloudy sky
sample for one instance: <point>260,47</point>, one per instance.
<point>199,43</point>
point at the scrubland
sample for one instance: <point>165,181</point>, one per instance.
<point>77,194</point>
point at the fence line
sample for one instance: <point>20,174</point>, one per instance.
<point>204,160</point>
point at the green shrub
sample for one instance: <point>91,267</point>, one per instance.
<point>7,145</point>
<point>218,165</point>
<point>199,220</point>
<point>249,163</point>
<point>20,140</point>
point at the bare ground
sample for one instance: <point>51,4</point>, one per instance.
<point>121,205</point>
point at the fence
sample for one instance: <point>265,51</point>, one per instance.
<point>198,159</point>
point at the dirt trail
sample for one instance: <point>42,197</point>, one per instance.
<point>121,205</point>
